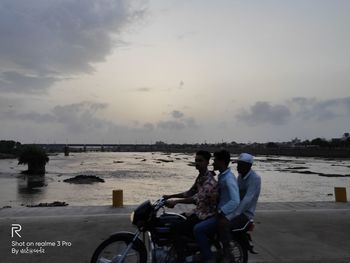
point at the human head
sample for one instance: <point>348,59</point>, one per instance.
<point>244,163</point>
<point>221,160</point>
<point>202,160</point>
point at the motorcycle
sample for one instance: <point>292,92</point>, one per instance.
<point>156,240</point>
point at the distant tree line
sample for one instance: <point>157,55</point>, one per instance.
<point>9,147</point>
<point>323,143</point>
<point>32,155</point>
<point>343,142</point>
<point>16,148</point>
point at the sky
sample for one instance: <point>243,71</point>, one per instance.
<point>179,71</point>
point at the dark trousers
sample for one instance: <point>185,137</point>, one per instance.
<point>184,229</point>
<point>187,226</point>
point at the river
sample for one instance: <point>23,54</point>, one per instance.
<point>149,175</point>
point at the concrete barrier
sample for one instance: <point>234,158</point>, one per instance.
<point>117,198</point>
<point>340,194</point>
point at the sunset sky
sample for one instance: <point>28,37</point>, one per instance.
<point>183,71</point>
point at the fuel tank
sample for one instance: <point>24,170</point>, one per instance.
<point>165,229</point>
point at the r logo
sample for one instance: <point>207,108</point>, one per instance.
<point>15,228</point>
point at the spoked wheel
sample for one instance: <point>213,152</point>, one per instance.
<point>239,253</point>
<point>112,249</point>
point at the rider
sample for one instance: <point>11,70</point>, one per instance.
<point>249,189</point>
<point>228,202</point>
<point>203,193</point>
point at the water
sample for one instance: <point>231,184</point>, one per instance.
<point>143,176</point>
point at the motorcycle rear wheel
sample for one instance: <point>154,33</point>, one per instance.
<point>239,252</point>
<point>110,250</point>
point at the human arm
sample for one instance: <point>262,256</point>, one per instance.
<point>173,203</point>
<point>230,187</point>
<point>191,192</point>
<point>179,195</point>
<point>251,196</point>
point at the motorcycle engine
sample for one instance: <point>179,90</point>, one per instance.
<point>164,255</point>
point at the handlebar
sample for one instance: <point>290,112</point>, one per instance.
<point>159,203</point>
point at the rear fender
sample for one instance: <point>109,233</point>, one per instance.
<point>244,239</point>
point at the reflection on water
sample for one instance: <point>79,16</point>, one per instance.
<point>31,187</point>
<point>145,176</point>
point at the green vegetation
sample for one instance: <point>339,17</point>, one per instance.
<point>9,147</point>
<point>343,142</point>
<point>35,157</point>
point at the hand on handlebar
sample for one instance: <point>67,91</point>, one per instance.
<point>170,204</point>
<point>166,197</point>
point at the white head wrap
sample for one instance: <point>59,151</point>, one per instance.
<point>246,157</point>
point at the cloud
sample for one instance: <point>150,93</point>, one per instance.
<point>85,118</point>
<point>222,125</point>
<point>263,112</point>
<point>178,121</point>
<point>9,103</point>
<point>186,35</point>
<point>181,84</point>
<point>44,41</point>
<point>30,116</point>
<point>177,114</point>
<point>191,122</point>
<point>13,81</point>
<point>143,89</point>
<point>171,125</point>
<point>312,109</point>
<point>148,126</point>
<point>75,118</point>
<point>80,117</point>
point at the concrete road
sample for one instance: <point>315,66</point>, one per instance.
<point>285,232</point>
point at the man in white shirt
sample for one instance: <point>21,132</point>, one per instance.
<point>249,184</point>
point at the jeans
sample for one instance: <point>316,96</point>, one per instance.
<point>201,232</point>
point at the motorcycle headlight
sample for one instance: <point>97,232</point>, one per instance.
<point>132,217</point>
<point>141,214</point>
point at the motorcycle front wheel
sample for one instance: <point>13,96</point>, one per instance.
<point>112,249</point>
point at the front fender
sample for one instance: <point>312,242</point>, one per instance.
<point>122,233</point>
